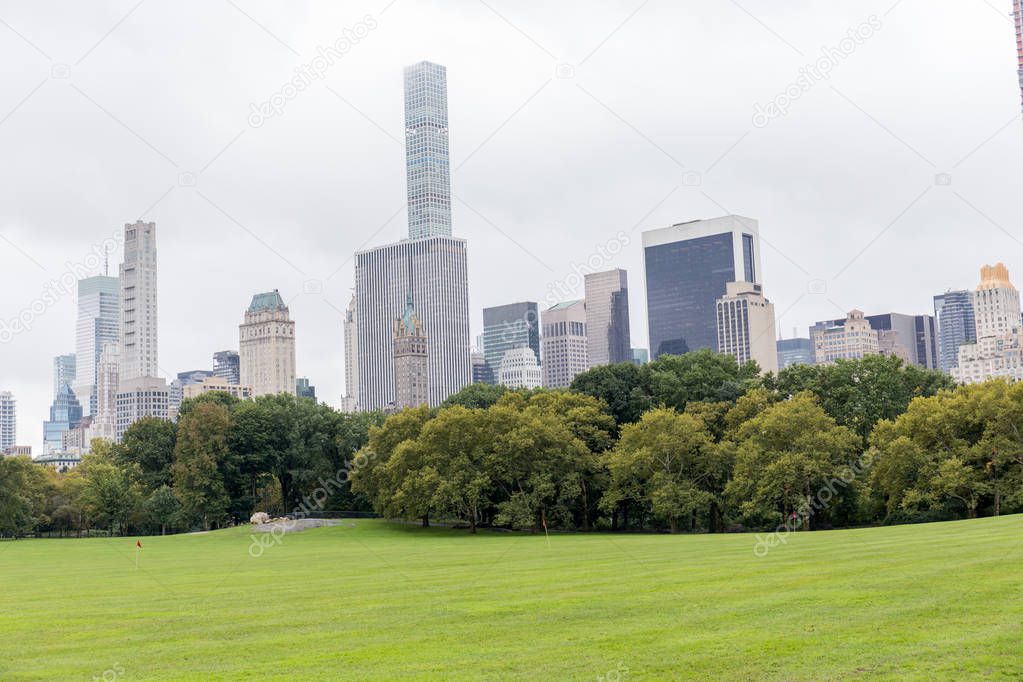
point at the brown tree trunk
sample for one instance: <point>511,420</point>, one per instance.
<point>998,501</point>
<point>674,525</point>
<point>426,520</point>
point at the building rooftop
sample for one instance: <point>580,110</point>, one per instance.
<point>270,300</point>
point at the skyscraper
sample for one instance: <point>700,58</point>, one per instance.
<point>795,351</point>
<point>226,366</point>
<point>687,268</point>
<point>411,360</point>
<point>138,398</point>
<point>8,420</point>
<point>139,343</point>
<point>426,150</point>
<point>431,266</point>
<point>955,325</point>
<point>99,323</point>
<point>1017,15</point>
<point>303,389</point>
<point>435,271</point>
<point>851,340</point>
<point>607,318</point>
<point>563,343</point>
<point>998,351</point>
<point>267,346</point>
<point>351,330</point>
<point>104,423</point>
<point>65,414</point>
<point>514,325</point>
<point>746,326</point>
<point>63,372</point>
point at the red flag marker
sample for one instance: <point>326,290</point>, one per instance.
<point>138,544</point>
<point>138,548</point>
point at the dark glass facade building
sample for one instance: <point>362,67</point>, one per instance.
<point>515,325</point>
<point>955,324</point>
<point>687,267</point>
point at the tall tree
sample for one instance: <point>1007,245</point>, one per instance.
<point>202,448</point>
<point>149,443</point>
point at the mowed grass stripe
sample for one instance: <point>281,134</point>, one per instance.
<point>381,601</point>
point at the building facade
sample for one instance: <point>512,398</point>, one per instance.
<point>520,369</point>
<point>65,414</point>
<point>104,420</point>
<point>954,325</point>
<point>303,389</point>
<point>8,421</point>
<point>607,317</point>
<point>480,371</point>
<point>795,351</point>
<point>564,343</point>
<point>687,267</point>
<point>99,323</point>
<point>227,366</point>
<point>505,327</point>
<point>138,398</point>
<point>266,344</point>
<point>745,322</point>
<point>215,383</point>
<point>63,372</point>
<point>640,356</point>
<point>435,271</point>
<point>851,340</point>
<point>351,331</point>
<point>139,322</point>
<point>909,337</point>
<point>411,360</point>
<point>427,162</point>
<point>998,350</point>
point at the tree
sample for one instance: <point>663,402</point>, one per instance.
<point>375,479</point>
<point>149,443</point>
<point>201,450</point>
<point>162,507</point>
<point>621,387</point>
<point>22,496</point>
<point>222,398</point>
<point>667,465</point>
<point>702,375</point>
<point>859,393</point>
<point>112,491</point>
<point>793,462</point>
<point>476,396</point>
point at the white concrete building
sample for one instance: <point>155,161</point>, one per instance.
<point>139,337</point>
<point>138,398</point>
<point>266,346</point>
<point>350,403</point>
<point>208,384</point>
<point>563,343</point>
<point>520,369</point>
<point>746,327</point>
<point>8,420</point>
<point>853,340</point>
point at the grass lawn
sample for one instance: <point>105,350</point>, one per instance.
<point>375,600</point>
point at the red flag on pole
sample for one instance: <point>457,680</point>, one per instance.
<point>138,544</point>
<point>543,522</point>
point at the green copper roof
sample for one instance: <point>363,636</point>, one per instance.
<point>271,300</point>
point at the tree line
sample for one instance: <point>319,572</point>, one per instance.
<point>685,443</point>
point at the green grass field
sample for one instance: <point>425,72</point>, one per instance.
<point>385,601</point>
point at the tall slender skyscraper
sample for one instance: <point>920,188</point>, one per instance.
<point>607,318</point>
<point>1017,14</point>
<point>99,323</point>
<point>63,372</point>
<point>139,346</point>
<point>8,421</point>
<point>431,265</point>
<point>351,330</point>
<point>426,150</point>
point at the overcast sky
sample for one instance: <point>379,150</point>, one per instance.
<point>893,178</point>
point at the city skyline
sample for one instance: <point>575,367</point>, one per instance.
<point>497,151</point>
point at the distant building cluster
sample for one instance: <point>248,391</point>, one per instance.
<point>406,329</point>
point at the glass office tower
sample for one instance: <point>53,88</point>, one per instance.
<point>515,325</point>
<point>426,150</point>
<point>687,268</point>
<point>955,325</point>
